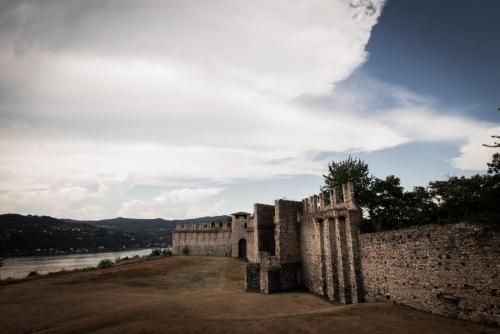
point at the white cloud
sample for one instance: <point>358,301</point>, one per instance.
<point>174,204</point>
<point>185,95</point>
<point>473,155</point>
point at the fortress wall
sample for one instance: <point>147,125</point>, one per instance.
<point>242,230</point>
<point>214,242</point>
<point>287,233</point>
<point>451,270</point>
<point>312,276</point>
<point>251,248</point>
<point>264,227</point>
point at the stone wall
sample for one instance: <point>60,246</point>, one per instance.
<point>310,237</point>
<point>287,233</point>
<point>242,230</point>
<point>451,270</point>
<point>252,277</point>
<point>263,223</point>
<point>331,261</point>
<point>202,239</point>
<point>202,243</point>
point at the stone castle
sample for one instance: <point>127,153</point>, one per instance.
<point>315,243</point>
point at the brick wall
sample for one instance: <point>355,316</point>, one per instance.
<point>451,270</point>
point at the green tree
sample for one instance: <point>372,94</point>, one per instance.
<point>420,207</point>
<point>474,197</point>
<point>350,170</point>
<point>386,204</point>
<point>494,165</point>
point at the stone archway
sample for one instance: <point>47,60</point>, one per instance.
<point>242,249</point>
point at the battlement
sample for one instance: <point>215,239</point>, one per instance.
<point>331,200</point>
<point>205,226</point>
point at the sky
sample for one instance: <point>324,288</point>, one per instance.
<point>180,109</point>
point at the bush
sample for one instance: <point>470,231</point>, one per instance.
<point>122,259</point>
<point>155,252</point>
<point>105,263</point>
<point>33,274</point>
<point>167,252</point>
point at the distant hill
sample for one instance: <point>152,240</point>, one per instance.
<point>156,231</point>
<point>42,235</point>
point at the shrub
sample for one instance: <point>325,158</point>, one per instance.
<point>167,252</point>
<point>155,252</point>
<point>105,263</point>
<point>122,259</point>
<point>33,274</point>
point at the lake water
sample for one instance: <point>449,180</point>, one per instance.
<point>20,267</point>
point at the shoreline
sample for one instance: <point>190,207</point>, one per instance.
<point>115,263</point>
<point>26,255</point>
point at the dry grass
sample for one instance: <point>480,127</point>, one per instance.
<point>194,295</point>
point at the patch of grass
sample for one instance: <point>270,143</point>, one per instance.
<point>105,263</point>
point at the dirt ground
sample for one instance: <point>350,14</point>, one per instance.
<point>194,295</point>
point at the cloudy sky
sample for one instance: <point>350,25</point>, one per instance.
<point>180,109</point>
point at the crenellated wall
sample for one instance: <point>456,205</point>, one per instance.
<point>216,238</point>
<point>452,270</point>
<point>202,239</point>
<point>317,246</point>
<point>331,262</point>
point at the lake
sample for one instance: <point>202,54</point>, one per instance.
<point>20,267</point>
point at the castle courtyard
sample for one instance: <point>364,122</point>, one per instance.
<point>195,295</point>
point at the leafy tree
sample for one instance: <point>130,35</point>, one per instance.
<point>386,204</point>
<point>420,207</point>
<point>494,165</point>
<point>350,170</point>
<point>473,197</point>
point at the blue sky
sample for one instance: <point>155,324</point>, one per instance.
<point>167,109</point>
<point>446,49</point>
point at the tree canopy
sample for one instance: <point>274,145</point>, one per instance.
<point>386,205</point>
<point>350,170</point>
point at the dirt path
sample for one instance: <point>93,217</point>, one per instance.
<point>194,295</point>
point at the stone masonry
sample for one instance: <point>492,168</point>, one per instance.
<point>451,270</point>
